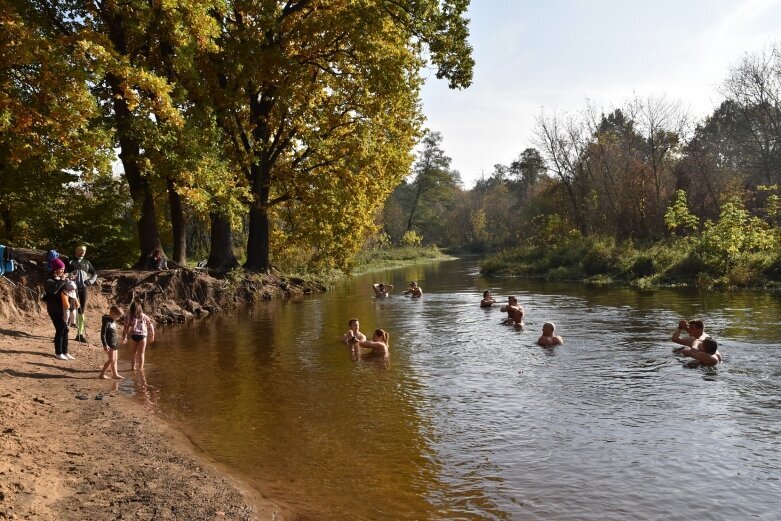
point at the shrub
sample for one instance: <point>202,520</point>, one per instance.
<point>411,238</point>
<point>601,258</point>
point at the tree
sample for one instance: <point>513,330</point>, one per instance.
<point>320,105</point>
<point>132,50</point>
<point>433,184</point>
<point>49,125</point>
<point>754,88</point>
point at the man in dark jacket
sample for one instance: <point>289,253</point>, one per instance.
<point>84,275</point>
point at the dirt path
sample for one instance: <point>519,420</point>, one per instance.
<point>72,448</point>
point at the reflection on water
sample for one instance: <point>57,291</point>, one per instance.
<point>469,419</point>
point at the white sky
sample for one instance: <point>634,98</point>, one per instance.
<point>556,54</point>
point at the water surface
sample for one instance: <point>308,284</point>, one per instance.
<point>469,419</point>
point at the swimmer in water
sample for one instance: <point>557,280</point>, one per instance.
<point>706,353</point>
<point>695,329</point>
<point>382,290</point>
<point>488,300</point>
<point>549,338</point>
<point>378,344</point>
<point>514,312</point>
<point>414,290</point>
<point>353,335</point>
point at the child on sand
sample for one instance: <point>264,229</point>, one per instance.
<point>140,329</point>
<point>108,337</point>
<point>549,338</point>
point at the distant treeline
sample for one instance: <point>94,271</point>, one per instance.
<point>618,180</point>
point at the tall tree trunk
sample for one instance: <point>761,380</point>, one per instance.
<point>259,233</point>
<point>258,252</point>
<point>140,192</point>
<point>177,223</point>
<point>221,255</point>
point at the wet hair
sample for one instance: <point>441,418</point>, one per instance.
<point>549,325</point>
<point>710,346</point>
<point>350,322</point>
<point>136,310</point>
<point>486,293</point>
<point>697,323</point>
<point>383,334</point>
<point>512,299</point>
<point>115,310</point>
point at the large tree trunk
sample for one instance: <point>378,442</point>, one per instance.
<point>221,255</point>
<point>259,233</point>
<point>258,254</point>
<point>140,192</point>
<point>177,224</point>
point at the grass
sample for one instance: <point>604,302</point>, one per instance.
<point>398,257</point>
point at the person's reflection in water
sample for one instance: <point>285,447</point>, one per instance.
<point>147,395</point>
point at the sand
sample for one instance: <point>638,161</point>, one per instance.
<point>73,448</point>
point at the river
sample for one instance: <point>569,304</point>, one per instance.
<point>469,419</point>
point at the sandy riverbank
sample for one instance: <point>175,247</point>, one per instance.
<point>72,447</point>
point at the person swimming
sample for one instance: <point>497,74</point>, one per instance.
<point>382,290</point>
<point>353,334</point>
<point>414,290</point>
<point>488,300</point>
<point>549,338</point>
<point>378,344</point>
<point>514,312</point>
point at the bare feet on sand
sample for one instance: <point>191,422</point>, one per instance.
<point>104,377</point>
<point>118,377</point>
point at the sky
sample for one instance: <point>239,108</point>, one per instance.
<point>554,55</point>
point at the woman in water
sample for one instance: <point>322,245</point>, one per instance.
<point>378,344</point>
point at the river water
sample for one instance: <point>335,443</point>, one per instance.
<point>469,419</point>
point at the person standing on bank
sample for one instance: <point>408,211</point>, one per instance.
<point>54,286</point>
<point>85,275</point>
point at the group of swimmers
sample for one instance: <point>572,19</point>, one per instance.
<point>697,345</point>
<point>515,314</point>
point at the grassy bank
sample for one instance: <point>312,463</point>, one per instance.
<point>398,257</point>
<point>676,261</point>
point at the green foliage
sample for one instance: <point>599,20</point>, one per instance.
<point>602,258</point>
<point>552,229</point>
<point>735,234</point>
<point>678,217</point>
<point>97,214</point>
<point>411,238</point>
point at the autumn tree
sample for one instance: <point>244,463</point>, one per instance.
<point>134,53</point>
<point>49,125</point>
<point>319,103</point>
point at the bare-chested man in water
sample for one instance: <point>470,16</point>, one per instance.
<point>549,337</point>
<point>514,312</point>
<point>414,290</point>
<point>382,290</point>
<point>697,344</point>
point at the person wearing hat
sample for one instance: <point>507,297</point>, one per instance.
<point>54,286</point>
